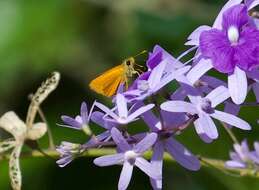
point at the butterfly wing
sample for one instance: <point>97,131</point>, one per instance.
<point>108,82</point>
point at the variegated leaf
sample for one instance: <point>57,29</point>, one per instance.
<point>14,168</point>
<point>37,131</point>
<point>13,124</point>
<point>7,145</point>
<point>41,94</point>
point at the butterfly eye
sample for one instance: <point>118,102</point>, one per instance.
<point>128,63</point>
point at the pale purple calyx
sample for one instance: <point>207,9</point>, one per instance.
<point>205,105</point>
<point>233,35</point>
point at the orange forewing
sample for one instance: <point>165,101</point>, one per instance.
<point>108,82</point>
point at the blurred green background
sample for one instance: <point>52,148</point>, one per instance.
<point>82,38</point>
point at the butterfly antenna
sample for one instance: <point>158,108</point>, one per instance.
<point>141,53</point>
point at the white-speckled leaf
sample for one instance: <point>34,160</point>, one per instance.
<point>14,168</point>
<point>41,94</point>
<point>7,145</point>
<point>13,124</point>
<point>37,131</point>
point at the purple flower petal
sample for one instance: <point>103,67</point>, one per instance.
<point>84,113</point>
<point>231,120</point>
<point>206,123</point>
<point>145,143</point>
<point>139,112</point>
<point>195,35</point>
<point>109,160</point>
<point>198,70</point>
<point>214,44</point>
<point>179,106</point>
<point>182,155</point>
<point>151,120</point>
<point>147,168</point>
<point>170,77</point>
<point>252,4</point>
<point>256,146</point>
<point>120,140</point>
<point>157,74</point>
<point>254,74</point>
<point>157,163</point>
<point>247,56</point>
<point>106,110</point>
<point>235,16</point>
<point>71,122</point>
<point>122,106</point>
<point>237,84</point>
<point>218,22</point>
<point>97,117</point>
<point>235,164</point>
<point>125,176</point>
<point>231,109</point>
<point>218,95</point>
<point>199,129</point>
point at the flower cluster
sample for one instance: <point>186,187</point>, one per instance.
<point>243,157</point>
<point>231,47</point>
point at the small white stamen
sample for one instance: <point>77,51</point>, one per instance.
<point>130,155</point>
<point>122,120</point>
<point>233,34</point>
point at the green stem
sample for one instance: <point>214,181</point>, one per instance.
<point>205,162</point>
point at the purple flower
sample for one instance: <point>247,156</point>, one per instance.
<point>159,77</point>
<point>123,115</point>
<point>204,108</point>
<point>80,121</point>
<point>129,156</point>
<point>98,118</point>
<point>162,69</point>
<point>166,142</point>
<point>231,47</point>
<point>68,151</point>
<point>236,45</point>
<point>243,157</point>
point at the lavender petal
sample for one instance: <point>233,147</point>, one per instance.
<point>109,160</point>
<point>125,176</point>
<point>145,143</point>
<point>120,140</point>
<point>231,120</point>
<point>237,84</point>
<point>182,155</point>
<point>179,106</point>
<point>147,168</point>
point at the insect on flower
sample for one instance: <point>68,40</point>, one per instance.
<point>108,82</point>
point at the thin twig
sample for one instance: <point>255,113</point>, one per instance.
<point>51,139</point>
<point>230,133</point>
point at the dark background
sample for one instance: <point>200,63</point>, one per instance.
<point>82,38</point>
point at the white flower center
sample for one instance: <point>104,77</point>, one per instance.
<point>122,120</point>
<point>233,34</point>
<point>130,155</point>
<point>143,85</point>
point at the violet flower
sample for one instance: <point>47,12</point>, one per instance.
<point>80,121</point>
<point>123,115</point>
<point>204,108</point>
<point>231,47</point>
<point>162,69</point>
<point>243,157</point>
<point>68,151</point>
<point>167,143</point>
<point>129,156</point>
